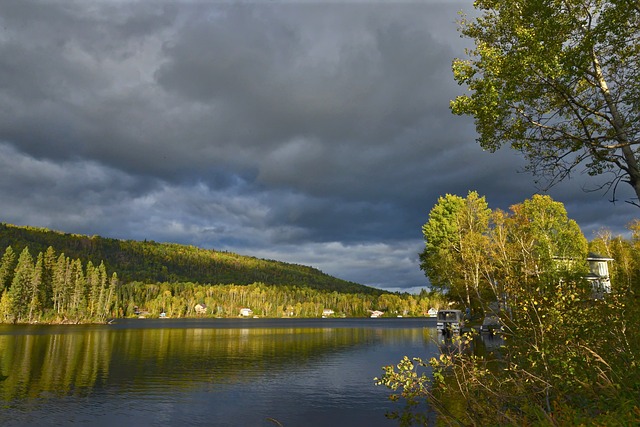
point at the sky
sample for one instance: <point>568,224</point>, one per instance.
<point>316,133</point>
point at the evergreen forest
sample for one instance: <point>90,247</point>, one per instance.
<point>73,280</point>
<point>152,262</point>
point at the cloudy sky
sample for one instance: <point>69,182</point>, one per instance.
<point>317,133</point>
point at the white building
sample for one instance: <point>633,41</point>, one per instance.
<point>599,274</point>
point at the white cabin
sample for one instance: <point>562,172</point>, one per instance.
<point>599,274</point>
<point>246,312</point>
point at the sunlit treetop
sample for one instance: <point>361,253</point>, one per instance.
<point>558,81</point>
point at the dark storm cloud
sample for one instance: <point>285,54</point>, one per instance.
<point>312,96</point>
<point>315,133</point>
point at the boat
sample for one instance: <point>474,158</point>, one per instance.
<point>449,322</point>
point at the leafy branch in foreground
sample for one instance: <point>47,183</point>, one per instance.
<point>570,355</point>
<point>559,81</point>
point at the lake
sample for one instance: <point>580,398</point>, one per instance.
<point>210,372</point>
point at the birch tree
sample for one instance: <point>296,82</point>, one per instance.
<point>559,81</point>
<point>456,244</point>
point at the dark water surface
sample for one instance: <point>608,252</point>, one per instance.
<point>214,372</point>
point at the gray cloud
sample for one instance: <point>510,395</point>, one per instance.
<point>315,133</point>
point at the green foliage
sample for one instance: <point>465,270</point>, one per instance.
<point>558,81</point>
<point>478,256</point>
<point>544,223</point>
<point>152,262</point>
<point>19,290</point>
<point>57,289</point>
<point>74,286</point>
<point>409,383</point>
<point>6,268</point>
<point>455,244</point>
<point>568,358</point>
<point>180,299</point>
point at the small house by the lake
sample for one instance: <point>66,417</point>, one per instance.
<point>599,274</point>
<point>246,312</point>
<point>327,312</point>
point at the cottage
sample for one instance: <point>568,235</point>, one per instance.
<point>376,313</point>
<point>201,308</point>
<point>327,312</point>
<point>432,312</point>
<point>246,312</point>
<point>599,274</point>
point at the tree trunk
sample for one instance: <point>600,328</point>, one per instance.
<point>630,160</point>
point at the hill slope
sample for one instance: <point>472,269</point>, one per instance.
<point>150,261</point>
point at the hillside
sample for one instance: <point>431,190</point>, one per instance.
<point>153,262</point>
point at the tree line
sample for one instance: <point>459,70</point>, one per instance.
<point>181,299</point>
<point>151,262</point>
<point>557,81</point>
<point>54,288</point>
<point>478,256</point>
<point>570,356</point>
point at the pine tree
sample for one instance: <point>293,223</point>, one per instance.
<point>47,278</point>
<point>20,286</point>
<point>113,283</point>
<point>7,266</point>
<point>35,289</point>
<point>93,287</point>
<point>77,287</point>
<point>102,276</point>
<point>58,284</point>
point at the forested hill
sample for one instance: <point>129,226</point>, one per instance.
<point>153,262</point>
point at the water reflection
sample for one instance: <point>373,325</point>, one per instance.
<point>33,365</point>
<point>485,345</point>
<point>75,363</point>
<point>236,373</point>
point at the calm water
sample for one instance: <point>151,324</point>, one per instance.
<point>311,372</point>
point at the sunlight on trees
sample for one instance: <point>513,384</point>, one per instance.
<point>57,289</point>
<point>558,81</point>
<point>569,357</point>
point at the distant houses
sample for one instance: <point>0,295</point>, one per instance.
<point>327,312</point>
<point>246,312</point>
<point>201,308</point>
<point>598,275</point>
